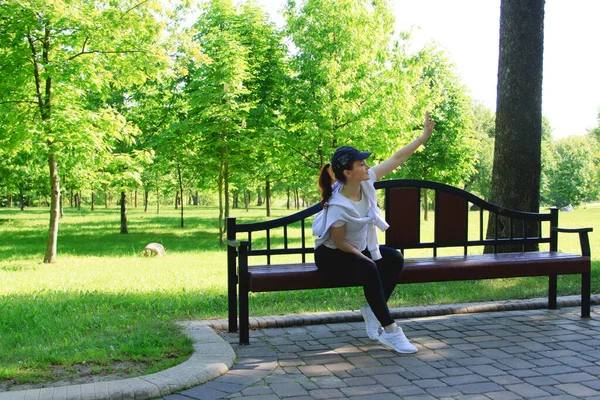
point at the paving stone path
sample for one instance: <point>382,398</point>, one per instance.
<point>541,354</point>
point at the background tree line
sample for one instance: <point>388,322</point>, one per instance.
<point>105,102</point>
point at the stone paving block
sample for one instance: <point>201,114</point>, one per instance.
<point>363,390</point>
<point>204,393</point>
<point>323,394</point>
<point>524,373</point>
<point>464,379</point>
<point>314,370</point>
<point>328,382</point>
<point>526,390</point>
<point>257,390</point>
<point>478,388</point>
<point>574,377</point>
<point>578,390</point>
<point>503,395</point>
<point>288,389</point>
<point>359,381</point>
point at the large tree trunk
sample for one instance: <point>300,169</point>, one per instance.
<point>124,212</point>
<point>50,255</point>
<point>517,150</point>
<point>180,191</point>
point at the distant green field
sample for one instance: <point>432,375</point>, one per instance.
<point>103,303</point>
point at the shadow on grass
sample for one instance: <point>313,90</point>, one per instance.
<point>98,234</point>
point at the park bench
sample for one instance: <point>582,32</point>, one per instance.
<point>262,242</point>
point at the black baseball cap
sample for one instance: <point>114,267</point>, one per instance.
<point>348,153</point>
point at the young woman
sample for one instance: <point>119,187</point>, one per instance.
<point>347,243</point>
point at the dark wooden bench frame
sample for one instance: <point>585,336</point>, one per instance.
<point>403,212</point>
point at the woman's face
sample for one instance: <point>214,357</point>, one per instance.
<point>359,171</point>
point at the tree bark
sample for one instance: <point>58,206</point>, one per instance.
<point>517,149</point>
<point>93,199</point>
<point>146,193</point>
<point>268,197</point>
<point>10,201</point>
<point>50,256</point>
<point>124,212</point>
<point>220,186</point>
<point>136,198</point>
<point>180,191</point>
<point>288,197</point>
<point>425,205</point>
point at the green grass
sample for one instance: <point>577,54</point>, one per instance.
<point>102,303</point>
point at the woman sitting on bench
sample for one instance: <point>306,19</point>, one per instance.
<point>347,241</point>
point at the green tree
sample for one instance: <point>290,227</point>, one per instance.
<point>483,126</point>
<point>572,175</point>
<point>54,53</point>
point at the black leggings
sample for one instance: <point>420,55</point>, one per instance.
<point>379,277</point>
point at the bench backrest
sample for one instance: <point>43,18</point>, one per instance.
<point>403,201</point>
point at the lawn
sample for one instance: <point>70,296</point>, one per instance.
<point>103,303</point>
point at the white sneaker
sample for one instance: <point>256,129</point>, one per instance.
<point>397,341</point>
<point>371,322</point>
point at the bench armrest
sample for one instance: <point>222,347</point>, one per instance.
<point>584,239</point>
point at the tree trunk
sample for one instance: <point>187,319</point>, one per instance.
<point>157,195</point>
<point>220,187</point>
<point>50,256</point>
<point>10,201</point>
<point>136,198</point>
<point>181,191</point>
<point>79,201</point>
<point>146,200</point>
<point>247,199</point>
<point>268,197</point>
<point>259,200</point>
<point>517,149</point>
<point>196,198</point>
<point>288,197</point>
<point>93,199</point>
<point>61,210</point>
<point>226,179</point>
<point>177,200</point>
<point>297,196</point>
<point>21,199</point>
<point>425,205</point>
<point>105,196</point>
<point>71,195</point>
<point>124,212</point>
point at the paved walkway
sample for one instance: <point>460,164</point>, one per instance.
<point>524,354</point>
<point>522,351</point>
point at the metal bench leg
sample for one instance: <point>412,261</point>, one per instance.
<point>552,280</point>
<point>585,294</point>
<point>243,297</point>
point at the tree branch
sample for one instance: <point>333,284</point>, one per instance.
<point>104,52</point>
<point>134,7</point>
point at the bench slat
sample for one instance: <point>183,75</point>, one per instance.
<point>266,278</point>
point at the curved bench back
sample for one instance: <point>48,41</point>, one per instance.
<point>403,201</point>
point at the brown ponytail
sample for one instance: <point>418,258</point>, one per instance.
<point>325,182</point>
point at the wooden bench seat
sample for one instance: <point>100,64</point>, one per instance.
<point>281,277</point>
<point>403,203</point>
